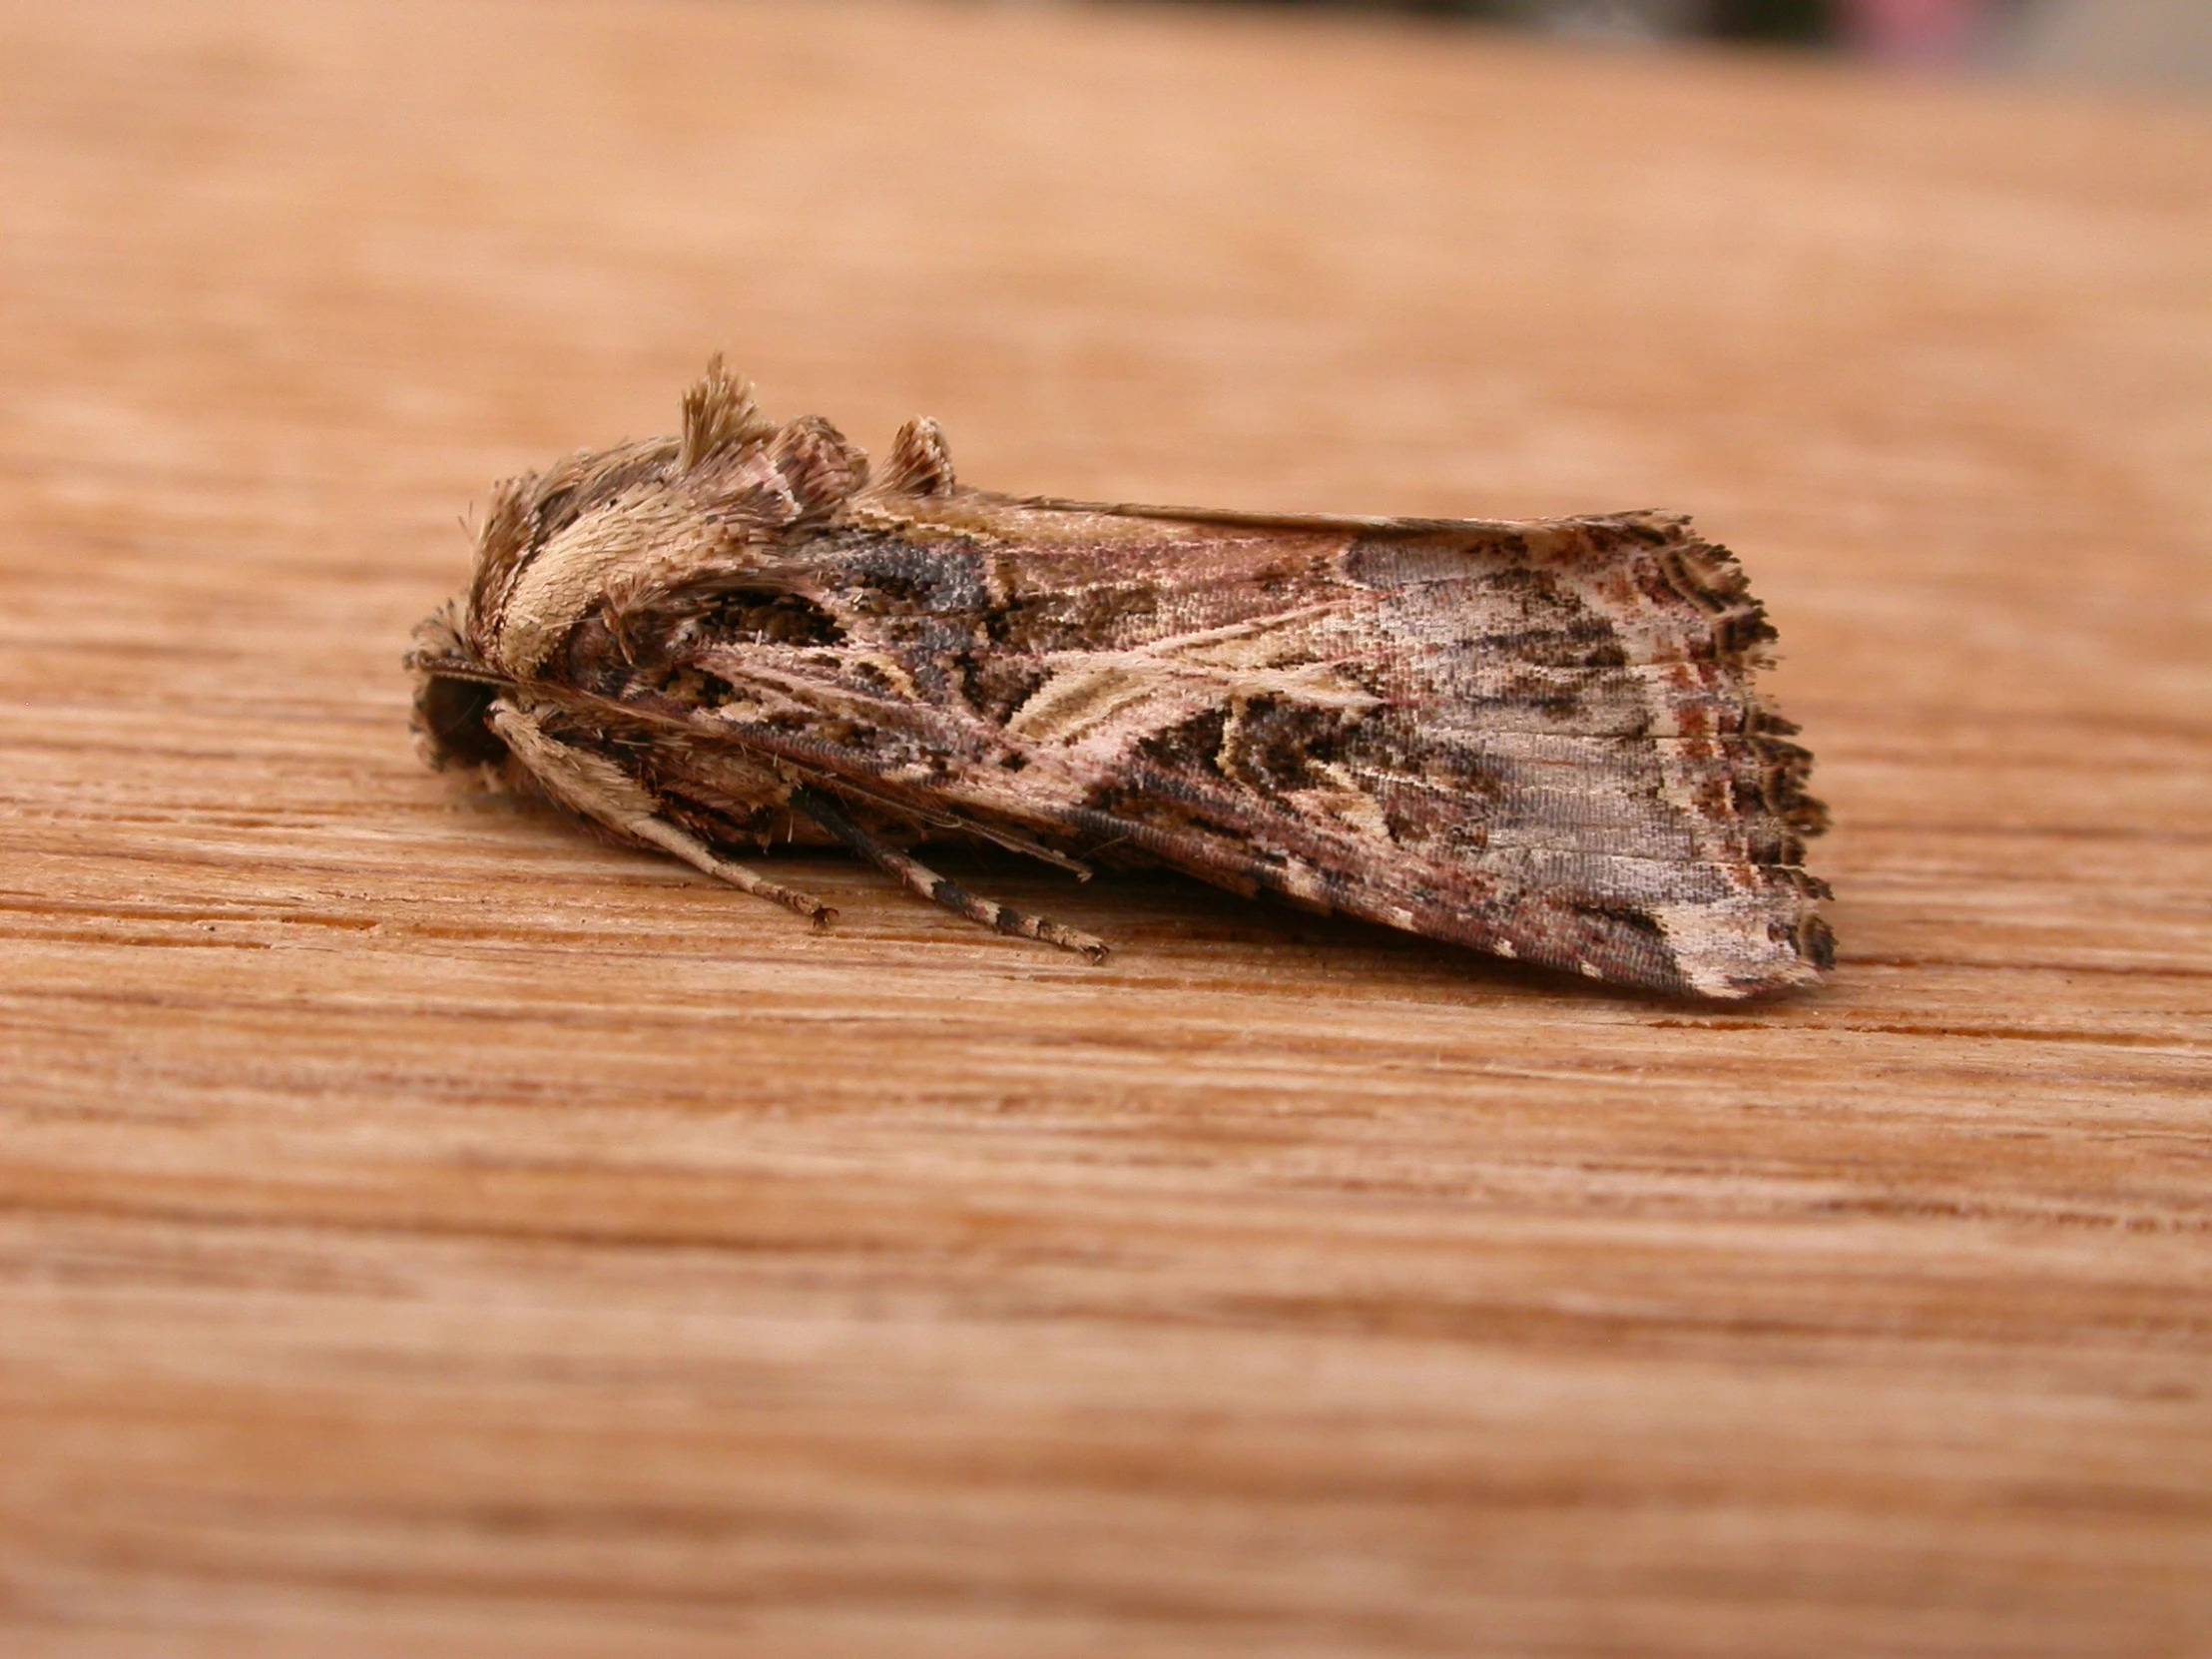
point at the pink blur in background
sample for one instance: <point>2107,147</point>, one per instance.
<point>1926,32</point>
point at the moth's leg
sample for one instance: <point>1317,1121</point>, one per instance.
<point>919,878</point>
<point>699,855</point>
<point>597,787</point>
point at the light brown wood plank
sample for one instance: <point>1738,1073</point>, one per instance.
<point>424,1231</point>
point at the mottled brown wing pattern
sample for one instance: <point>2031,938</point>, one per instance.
<point>1538,739</point>
<point>1444,728</point>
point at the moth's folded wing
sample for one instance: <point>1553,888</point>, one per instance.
<point>1382,846</point>
<point>1539,739</point>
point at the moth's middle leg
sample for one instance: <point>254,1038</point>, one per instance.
<point>919,878</point>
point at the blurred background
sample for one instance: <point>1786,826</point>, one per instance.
<point>2139,42</point>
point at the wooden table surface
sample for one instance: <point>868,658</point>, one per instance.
<point>424,1231</point>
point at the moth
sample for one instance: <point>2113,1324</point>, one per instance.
<point>1535,739</point>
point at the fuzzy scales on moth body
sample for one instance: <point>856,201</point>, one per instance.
<point>1538,738</point>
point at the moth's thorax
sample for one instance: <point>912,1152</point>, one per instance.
<point>651,537</point>
<point>606,529</point>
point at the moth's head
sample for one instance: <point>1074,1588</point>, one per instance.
<point>605,548</point>
<point>453,699</point>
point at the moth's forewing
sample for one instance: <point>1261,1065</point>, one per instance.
<point>1538,739</point>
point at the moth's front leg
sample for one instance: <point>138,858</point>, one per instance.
<point>595,787</point>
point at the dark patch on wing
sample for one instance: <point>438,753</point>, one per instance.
<point>880,574</point>
<point>755,617</point>
<point>1389,562</point>
<point>1092,617</point>
<point>1277,744</point>
<point>1448,821</point>
<point>997,682</point>
<point>1191,747</point>
<point>1557,631</point>
<point>1617,917</point>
